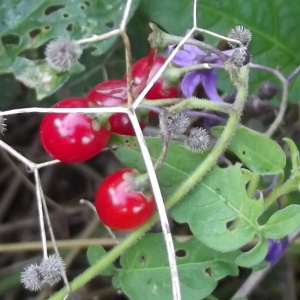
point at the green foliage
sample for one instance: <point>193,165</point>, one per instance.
<point>272,22</point>
<point>282,222</point>
<point>218,209</point>
<point>145,272</point>
<point>27,25</point>
<point>96,253</point>
<point>258,152</point>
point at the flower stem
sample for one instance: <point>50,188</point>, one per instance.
<point>160,40</point>
<point>289,186</point>
<point>196,103</point>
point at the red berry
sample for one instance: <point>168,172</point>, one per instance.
<point>113,93</point>
<point>161,89</point>
<point>71,137</point>
<point>143,70</point>
<point>118,205</point>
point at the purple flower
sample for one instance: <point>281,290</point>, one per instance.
<point>276,248</point>
<point>191,55</point>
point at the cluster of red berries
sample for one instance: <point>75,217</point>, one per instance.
<point>76,137</point>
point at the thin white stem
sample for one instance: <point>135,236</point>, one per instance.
<point>53,240</point>
<point>160,207</point>
<point>48,163</point>
<point>92,207</point>
<point>31,165</point>
<point>222,37</point>
<point>74,110</point>
<point>284,97</point>
<point>41,213</point>
<point>195,13</point>
<point>97,38</point>
<point>126,14</point>
<point>160,71</point>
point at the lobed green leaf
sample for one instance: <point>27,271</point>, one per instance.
<point>282,222</point>
<point>145,272</point>
<point>259,153</point>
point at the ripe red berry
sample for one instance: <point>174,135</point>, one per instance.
<point>119,205</point>
<point>72,137</point>
<point>161,88</point>
<point>143,70</point>
<point>113,93</point>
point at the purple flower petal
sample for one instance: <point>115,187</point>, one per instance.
<point>276,248</point>
<point>188,56</point>
<point>190,81</point>
<point>194,49</point>
<point>209,82</point>
<point>184,59</point>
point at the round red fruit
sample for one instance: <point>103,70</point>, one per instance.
<point>72,137</point>
<point>113,93</point>
<point>119,205</point>
<point>161,88</point>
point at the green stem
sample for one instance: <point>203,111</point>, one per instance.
<point>163,102</point>
<point>252,187</point>
<point>112,255</point>
<point>196,103</point>
<point>184,188</point>
<point>289,186</point>
<point>208,163</point>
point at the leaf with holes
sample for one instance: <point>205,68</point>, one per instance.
<point>40,76</point>
<point>96,253</point>
<point>272,22</point>
<point>26,25</point>
<point>145,272</point>
<point>258,152</point>
<point>219,212</point>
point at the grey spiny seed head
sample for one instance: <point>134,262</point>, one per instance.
<point>62,53</point>
<point>178,123</point>
<point>198,140</point>
<point>241,34</point>
<point>31,278</point>
<point>52,269</point>
<point>241,57</point>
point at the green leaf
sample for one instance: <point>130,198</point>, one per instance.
<point>28,24</point>
<point>258,152</point>
<point>96,253</point>
<point>272,23</point>
<point>254,256</point>
<point>219,212</point>
<point>145,272</point>
<point>38,75</point>
<point>282,223</point>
